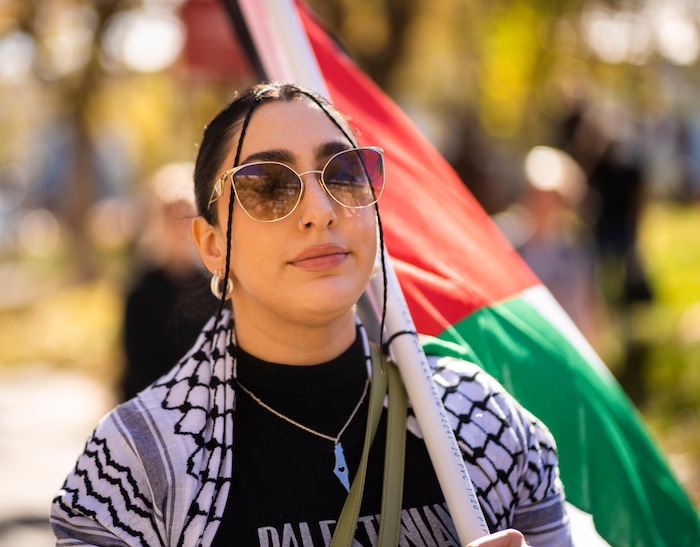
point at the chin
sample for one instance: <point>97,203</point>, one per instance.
<point>331,305</point>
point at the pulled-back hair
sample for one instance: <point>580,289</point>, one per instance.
<point>219,134</point>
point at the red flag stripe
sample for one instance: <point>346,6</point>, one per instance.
<point>448,255</point>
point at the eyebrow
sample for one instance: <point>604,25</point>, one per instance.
<point>284,155</point>
<point>328,149</point>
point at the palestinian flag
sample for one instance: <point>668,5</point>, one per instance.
<point>468,289</point>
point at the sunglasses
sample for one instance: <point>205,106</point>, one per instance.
<point>269,191</point>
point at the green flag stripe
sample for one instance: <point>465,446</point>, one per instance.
<point>609,464</point>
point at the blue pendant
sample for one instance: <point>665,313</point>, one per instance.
<point>341,467</point>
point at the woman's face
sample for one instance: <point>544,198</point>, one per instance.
<point>286,271</point>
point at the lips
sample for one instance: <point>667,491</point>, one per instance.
<point>321,257</point>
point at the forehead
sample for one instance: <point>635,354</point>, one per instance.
<point>298,125</point>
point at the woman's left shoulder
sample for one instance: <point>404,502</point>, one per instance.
<point>473,396</point>
<point>467,378</point>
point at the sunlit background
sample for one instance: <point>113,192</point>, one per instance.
<point>97,96</point>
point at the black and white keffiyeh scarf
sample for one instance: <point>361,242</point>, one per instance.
<point>157,469</point>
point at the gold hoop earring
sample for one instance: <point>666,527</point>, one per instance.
<point>215,286</point>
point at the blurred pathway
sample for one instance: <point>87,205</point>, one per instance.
<point>45,417</point>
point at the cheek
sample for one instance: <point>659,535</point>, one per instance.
<point>255,247</point>
<point>368,234</point>
<point>240,251</point>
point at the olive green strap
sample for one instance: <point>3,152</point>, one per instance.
<point>345,529</point>
<point>392,492</point>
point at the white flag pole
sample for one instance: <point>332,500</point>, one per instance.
<point>286,55</point>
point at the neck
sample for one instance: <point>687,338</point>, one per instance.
<point>296,344</point>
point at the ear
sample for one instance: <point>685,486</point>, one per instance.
<point>211,244</point>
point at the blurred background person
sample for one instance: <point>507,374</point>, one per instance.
<point>605,140</point>
<point>549,230</point>
<point>169,300</point>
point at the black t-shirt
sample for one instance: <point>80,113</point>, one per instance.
<point>284,491</point>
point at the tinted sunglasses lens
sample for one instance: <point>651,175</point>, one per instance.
<point>267,191</point>
<point>355,178</point>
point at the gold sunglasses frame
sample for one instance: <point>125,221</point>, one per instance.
<point>218,189</point>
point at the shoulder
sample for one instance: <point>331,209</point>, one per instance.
<point>511,455</point>
<point>483,409</point>
<point>468,388</point>
<point>134,444</point>
<point>131,477</point>
<point>109,492</point>
<point>153,457</point>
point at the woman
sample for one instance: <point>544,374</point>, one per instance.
<point>258,434</point>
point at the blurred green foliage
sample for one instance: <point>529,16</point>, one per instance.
<point>669,331</point>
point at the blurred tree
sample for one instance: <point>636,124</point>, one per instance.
<point>470,72</point>
<point>375,31</point>
<point>109,118</point>
<point>518,64</point>
<point>66,34</point>
<point>467,70</point>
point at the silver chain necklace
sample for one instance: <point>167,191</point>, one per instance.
<point>341,466</point>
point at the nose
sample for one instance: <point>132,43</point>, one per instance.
<point>316,206</point>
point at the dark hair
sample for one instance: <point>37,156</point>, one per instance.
<point>218,135</point>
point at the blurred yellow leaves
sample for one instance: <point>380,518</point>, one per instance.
<point>144,112</point>
<point>508,52</point>
<point>671,248</point>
